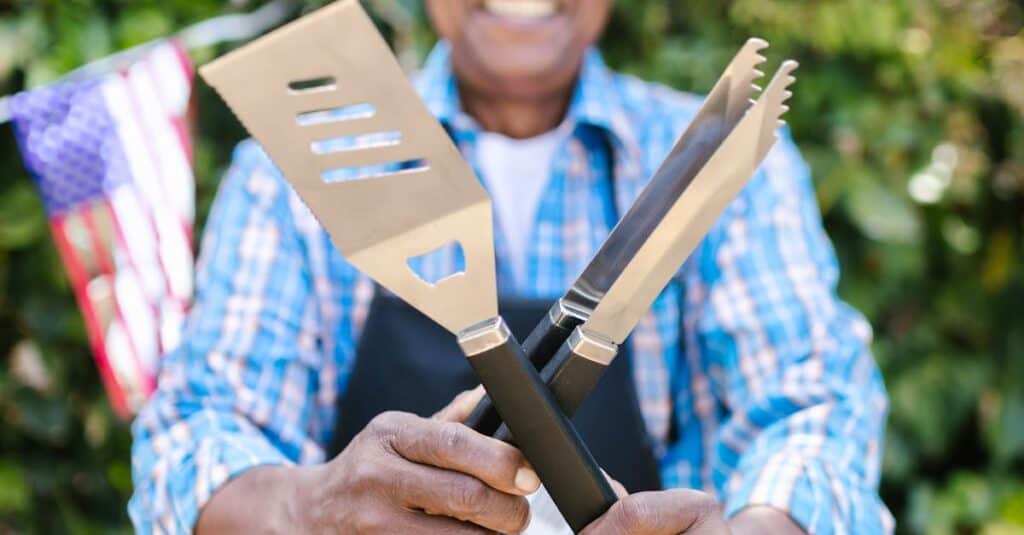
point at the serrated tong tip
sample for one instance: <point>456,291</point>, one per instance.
<point>779,91</point>
<point>743,71</point>
<point>771,105</point>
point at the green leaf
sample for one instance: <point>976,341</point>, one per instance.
<point>999,260</point>
<point>1004,426</point>
<point>1013,508</point>
<point>43,419</point>
<point>14,491</point>
<point>140,25</point>
<point>881,214</point>
<point>22,221</point>
<point>1001,528</point>
<point>120,476</point>
<point>932,403</point>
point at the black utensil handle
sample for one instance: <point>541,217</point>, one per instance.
<point>539,347</point>
<point>544,434</point>
<point>570,376</point>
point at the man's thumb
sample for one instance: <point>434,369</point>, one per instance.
<point>460,408</point>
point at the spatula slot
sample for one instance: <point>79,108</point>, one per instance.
<point>345,174</point>
<point>349,143</point>
<point>338,114</point>
<point>312,85</point>
<point>439,264</point>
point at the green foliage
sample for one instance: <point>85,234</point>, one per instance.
<point>909,111</point>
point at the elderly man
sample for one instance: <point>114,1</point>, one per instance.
<point>747,401</point>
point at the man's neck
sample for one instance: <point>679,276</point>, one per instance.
<point>515,118</point>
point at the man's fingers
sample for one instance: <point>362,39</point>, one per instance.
<point>460,408</point>
<point>446,493</point>
<point>420,522</point>
<point>662,513</point>
<point>426,523</point>
<point>620,490</point>
<point>456,447</point>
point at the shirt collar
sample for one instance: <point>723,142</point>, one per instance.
<point>436,84</point>
<point>596,100</point>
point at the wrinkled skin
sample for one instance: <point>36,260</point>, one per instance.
<point>401,474</point>
<point>405,474</point>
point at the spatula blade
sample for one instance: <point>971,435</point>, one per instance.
<point>329,103</point>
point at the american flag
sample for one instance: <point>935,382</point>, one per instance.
<point>111,158</point>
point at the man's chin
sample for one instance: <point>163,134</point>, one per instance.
<point>529,82</point>
<point>525,71</point>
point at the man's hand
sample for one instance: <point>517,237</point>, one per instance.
<point>662,513</point>
<point>402,474</point>
<point>686,511</point>
<point>764,520</point>
<point>405,474</point>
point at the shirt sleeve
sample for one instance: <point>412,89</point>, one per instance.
<point>801,401</point>
<point>238,391</point>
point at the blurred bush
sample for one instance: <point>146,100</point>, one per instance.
<point>909,111</point>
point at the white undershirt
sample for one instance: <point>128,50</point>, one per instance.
<point>516,171</point>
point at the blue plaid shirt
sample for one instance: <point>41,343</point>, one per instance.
<point>755,381</point>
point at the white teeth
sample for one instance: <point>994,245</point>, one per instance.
<point>522,9</point>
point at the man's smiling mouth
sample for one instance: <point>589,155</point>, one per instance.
<point>522,9</point>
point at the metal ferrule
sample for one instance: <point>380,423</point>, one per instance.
<point>483,336</point>
<point>592,347</point>
<point>566,314</point>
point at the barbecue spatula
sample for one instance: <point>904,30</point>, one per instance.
<point>722,109</point>
<point>328,102</point>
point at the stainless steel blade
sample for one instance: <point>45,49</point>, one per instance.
<point>721,110</point>
<point>692,215</point>
<point>326,99</point>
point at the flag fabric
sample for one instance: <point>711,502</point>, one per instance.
<point>111,158</point>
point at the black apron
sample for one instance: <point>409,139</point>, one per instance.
<point>407,362</point>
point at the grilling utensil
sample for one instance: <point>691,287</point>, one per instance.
<point>738,140</point>
<point>579,363</point>
<point>717,117</point>
<point>326,99</point>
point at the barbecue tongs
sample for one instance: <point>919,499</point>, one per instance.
<point>706,168</point>
<point>330,105</point>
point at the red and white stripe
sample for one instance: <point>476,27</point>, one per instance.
<point>149,269</point>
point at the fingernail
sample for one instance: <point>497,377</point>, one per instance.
<point>470,399</point>
<point>527,480</point>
